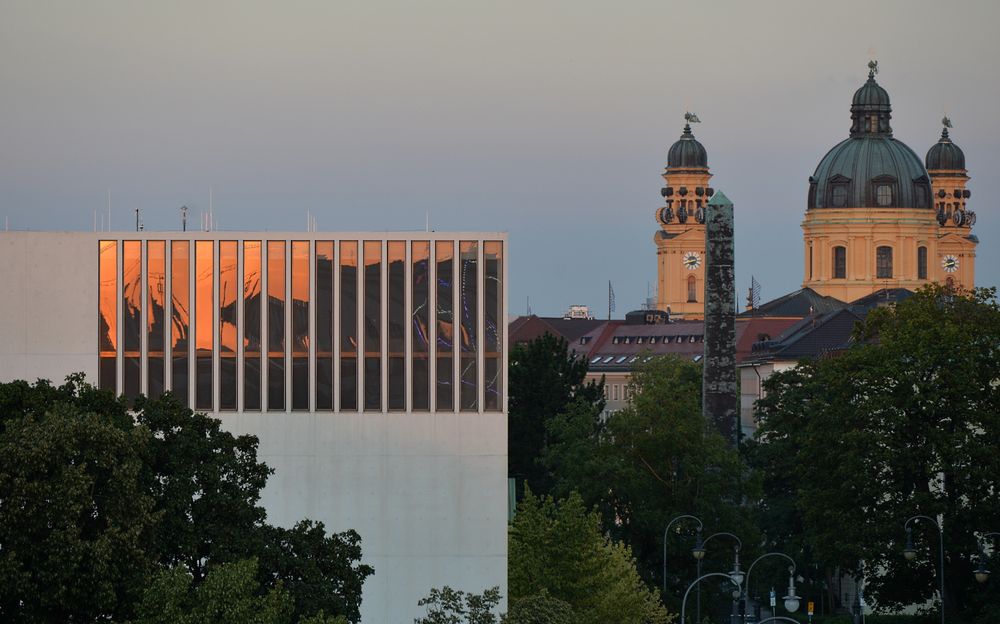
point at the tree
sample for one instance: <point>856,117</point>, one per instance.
<point>230,594</point>
<point>544,379</point>
<point>73,518</point>
<point>94,498</point>
<point>650,462</point>
<point>904,423</point>
<point>539,609</point>
<point>559,548</point>
<point>449,606</point>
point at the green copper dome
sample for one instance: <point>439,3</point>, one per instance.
<point>687,152</point>
<point>945,155</point>
<point>870,169</point>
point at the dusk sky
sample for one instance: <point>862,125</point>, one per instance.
<point>547,120</point>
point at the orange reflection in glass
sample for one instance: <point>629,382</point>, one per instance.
<point>131,296</point>
<point>203,336</point>
<point>108,298</point>
<point>156,290</point>
<point>228,301</point>
<point>276,298</point>
<point>251,297</point>
<point>300,297</point>
<point>180,296</point>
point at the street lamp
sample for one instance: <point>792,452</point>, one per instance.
<point>696,581</point>
<point>665,532</point>
<point>699,553</point>
<point>981,572</point>
<point>910,553</point>
<point>792,600</point>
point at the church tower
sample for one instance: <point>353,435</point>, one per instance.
<point>877,218</point>
<point>680,242</point>
<point>955,259</point>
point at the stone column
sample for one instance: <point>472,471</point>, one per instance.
<point>720,403</point>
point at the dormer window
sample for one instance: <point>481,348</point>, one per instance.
<point>839,190</point>
<point>883,195</point>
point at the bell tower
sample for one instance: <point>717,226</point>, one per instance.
<point>955,257</point>
<point>680,241</point>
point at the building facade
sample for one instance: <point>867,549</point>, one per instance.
<point>370,365</point>
<point>878,218</point>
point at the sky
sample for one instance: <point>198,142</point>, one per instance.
<point>547,120</point>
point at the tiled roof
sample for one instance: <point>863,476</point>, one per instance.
<point>800,303</point>
<point>811,337</point>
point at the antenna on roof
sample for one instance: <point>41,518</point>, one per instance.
<point>184,218</point>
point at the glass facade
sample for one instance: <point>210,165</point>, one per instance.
<point>156,289</point>
<point>180,319</point>
<point>348,325</point>
<point>420,324</point>
<point>251,325</point>
<point>300,325</point>
<point>444,257</point>
<point>228,324</point>
<point>356,325</point>
<point>131,317</point>
<point>275,325</point>
<point>396,313</point>
<point>469,302</point>
<point>204,326</point>
<point>107,315</point>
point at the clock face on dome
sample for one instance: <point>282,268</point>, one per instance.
<point>691,260</point>
<point>949,264</point>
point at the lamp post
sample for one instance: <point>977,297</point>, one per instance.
<point>791,599</point>
<point>910,552</point>
<point>699,553</point>
<point>982,573</point>
<point>698,580</point>
<point>665,532</point>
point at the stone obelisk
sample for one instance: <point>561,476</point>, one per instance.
<point>719,399</point>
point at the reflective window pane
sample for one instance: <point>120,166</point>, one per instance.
<point>396,312</point>
<point>493,322</point>
<point>180,318</point>
<point>420,257</point>
<point>156,286</point>
<point>131,316</point>
<point>251,325</point>
<point>276,325</point>
<point>469,301</point>
<point>204,336</point>
<point>349,325</point>
<point>324,325</point>
<point>300,325</point>
<point>107,318</point>
<point>444,323</point>
<point>373,323</point>
<point>229,302</point>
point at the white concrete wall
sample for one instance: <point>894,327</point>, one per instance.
<point>426,491</point>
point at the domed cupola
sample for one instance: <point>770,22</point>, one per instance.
<point>945,155</point>
<point>870,169</point>
<point>870,108</point>
<point>687,152</point>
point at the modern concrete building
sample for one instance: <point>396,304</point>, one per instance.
<point>370,365</point>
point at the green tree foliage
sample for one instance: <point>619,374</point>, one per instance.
<point>544,379</point>
<point>107,496</point>
<point>559,548</point>
<point>905,423</point>
<point>230,594</point>
<point>449,606</point>
<point>651,462</point>
<point>73,517</point>
<point>539,609</point>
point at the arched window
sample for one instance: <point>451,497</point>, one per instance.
<point>883,262</point>
<point>692,289</point>
<point>921,263</point>
<point>840,262</point>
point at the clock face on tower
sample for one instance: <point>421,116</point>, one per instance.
<point>949,264</point>
<point>691,260</point>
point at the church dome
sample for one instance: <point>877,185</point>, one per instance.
<point>945,155</point>
<point>870,169</point>
<point>687,152</point>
